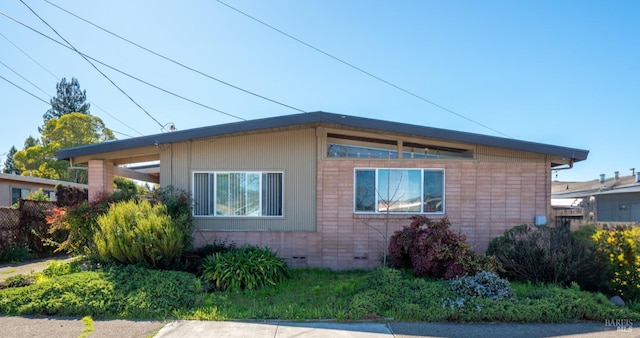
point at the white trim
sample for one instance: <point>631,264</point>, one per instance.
<point>212,181</point>
<point>376,197</point>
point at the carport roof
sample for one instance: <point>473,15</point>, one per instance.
<point>329,119</point>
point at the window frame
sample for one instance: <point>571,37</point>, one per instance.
<point>376,203</point>
<point>212,190</point>
<point>23,195</point>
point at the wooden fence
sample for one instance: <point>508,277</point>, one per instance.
<point>25,225</point>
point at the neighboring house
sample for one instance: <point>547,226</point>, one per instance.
<point>322,189</point>
<point>614,200</point>
<point>15,187</point>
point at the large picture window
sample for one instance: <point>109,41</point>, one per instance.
<point>399,190</point>
<point>237,194</point>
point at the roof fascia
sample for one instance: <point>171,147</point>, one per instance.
<point>358,123</point>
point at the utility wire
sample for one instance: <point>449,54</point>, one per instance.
<point>45,93</point>
<point>123,134</point>
<point>94,66</point>
<point>122,72</point>
<point>359,69</point>
<point>24,78</point>
<point>32,59</point>
<point>24,90</point>
<point>177,62</point>
<point>28,92</point>
<point>55,77</point>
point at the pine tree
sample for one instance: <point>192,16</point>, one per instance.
<point>69,99</point>
<point>9,163</point>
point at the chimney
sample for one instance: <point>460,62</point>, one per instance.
<point>633,171</point>
<point>616,174</point>
<point>601,178</point>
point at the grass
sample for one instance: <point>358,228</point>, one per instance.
<point>310,294</point>
<point>115,292</point>
<point>88,327</point>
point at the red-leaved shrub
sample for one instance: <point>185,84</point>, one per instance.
<point>432,249</point>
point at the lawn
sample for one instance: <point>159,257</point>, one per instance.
<point>381,294</point>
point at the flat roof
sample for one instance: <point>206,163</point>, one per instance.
<point>38,180</point>
<point>323,118</point>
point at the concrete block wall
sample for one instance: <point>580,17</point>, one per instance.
<point>100,178</point>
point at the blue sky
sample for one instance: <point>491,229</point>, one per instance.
<point>558,72</point>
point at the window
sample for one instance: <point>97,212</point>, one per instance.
<point>51,194</point>
<point>350,146</point>
<point>342,146</point>
<point>237,194</point>
<point>399,190</point>
<point>18,193</point>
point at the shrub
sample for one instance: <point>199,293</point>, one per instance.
<point>61,268</point>
<point>70,196</point>
<point>38,195</point>
<point>16,281</point>
<point>178,203</point>
<point>194,259</point>
<point>392,293</point>
<point>139,233</point>
<point>79,222</point>
<point>119,291</point>
<point>15,253</point>
<point>483,284</point>
<point>433,250</point>
<point>246,268</point>
<point>621,248</point>
<point>549,255</point>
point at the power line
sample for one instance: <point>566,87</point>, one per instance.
<point>177,62</point>
<point>122,72</point>
<point>32,59</point>
<point>359,69</point>
<point>28,92</point>
<point>55,77</point>
<point>117,132</point>
<point>24,78</point>
<point>24,90</point>
<point>94,66</point>
<point>45,93</point>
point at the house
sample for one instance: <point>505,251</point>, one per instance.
<point>613,200</point>
<point>325,190</point>
<point>15,187</point>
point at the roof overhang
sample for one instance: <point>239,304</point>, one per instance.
<point>147,148</point>
<point>38,180</point>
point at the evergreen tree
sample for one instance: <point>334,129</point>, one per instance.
<point>30,142</point>
<point>9,163</point>
<point>69,99</point>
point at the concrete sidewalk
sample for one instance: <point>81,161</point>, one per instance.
<point>281,329</point>
<point>36,265</point>
<point>47,327</point>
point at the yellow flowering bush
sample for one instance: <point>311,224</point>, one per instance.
<point>621,246</point>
